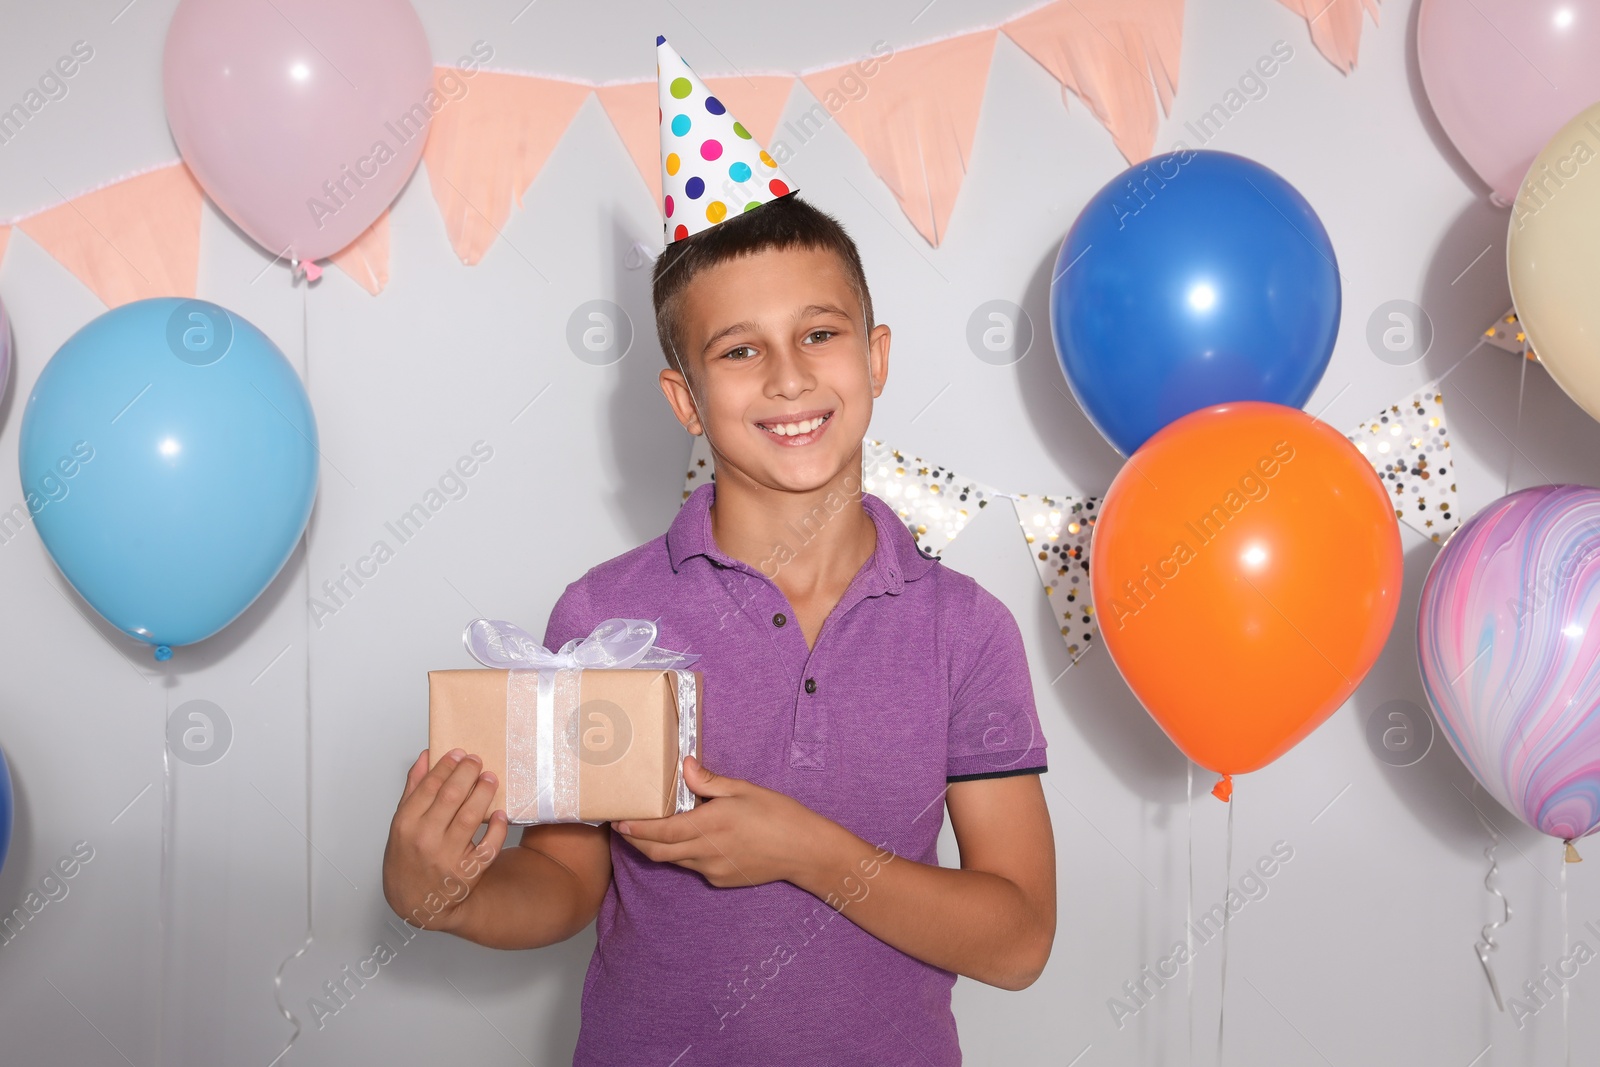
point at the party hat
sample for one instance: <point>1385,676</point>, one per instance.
<point>710,165</point>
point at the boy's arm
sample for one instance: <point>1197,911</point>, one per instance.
<point>541,892</point>
<point>992,920</point>
<point>527,896</point>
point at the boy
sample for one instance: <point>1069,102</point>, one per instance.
<point>852,684</point>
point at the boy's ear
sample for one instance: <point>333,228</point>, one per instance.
<point>677,393</point>
<point>878,357</point>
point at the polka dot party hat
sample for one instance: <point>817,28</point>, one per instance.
<point>710,165</point>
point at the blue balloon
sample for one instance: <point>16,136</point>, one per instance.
<point>1193,279</point>
<point>169,459</point>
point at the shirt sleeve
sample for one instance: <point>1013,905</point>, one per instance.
<point>994,724</point>
<point>571,617</point>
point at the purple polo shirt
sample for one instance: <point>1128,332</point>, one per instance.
<point>918,678</point>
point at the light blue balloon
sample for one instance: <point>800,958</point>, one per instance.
<point>169,460</point>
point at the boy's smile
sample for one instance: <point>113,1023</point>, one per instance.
<point>799,429</point>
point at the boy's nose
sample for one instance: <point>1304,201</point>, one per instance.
<point>788,371</point>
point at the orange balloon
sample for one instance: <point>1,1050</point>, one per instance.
<point>1246,571</point>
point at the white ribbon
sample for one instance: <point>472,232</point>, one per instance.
<point>547,784</point>
<point>615,644</point>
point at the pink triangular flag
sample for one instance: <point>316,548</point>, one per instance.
<point>1110,53</point>
<point>485,149</point>
<point>133,239</point>
<point>5,236</point>
<point>1335,27</point>
<point>757,100</point>
<point>630,108</point>
<point>366,259</point>
<point>916,123</point>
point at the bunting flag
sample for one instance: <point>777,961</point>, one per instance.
<point>485,149</point>
<point>915,121</point>
<point>1111,54</point>
<point>701,468</point>
<point>913,113</point>
<point>934,502</point>
<point>757,100</point>
<point>1057,529</point>
<point>5,235</point>
<point>1507,333</point>
<point>1409,446</point>
<point>1335,27</point>
<point>1407,443</point>
<point>366,259</point>
<point>132,239</point>
<point>629,106</point>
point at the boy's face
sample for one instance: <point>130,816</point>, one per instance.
<point>775,341</point>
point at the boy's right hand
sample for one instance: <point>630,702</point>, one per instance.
<point>431,864</point>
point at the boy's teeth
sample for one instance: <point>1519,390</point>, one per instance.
<point>791,429</point>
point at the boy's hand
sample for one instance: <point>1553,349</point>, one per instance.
<point>744,835</point>
<point>430,863</point>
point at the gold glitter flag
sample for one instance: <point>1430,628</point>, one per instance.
<point>1057,529</point>
<point>700,465</point>
<point>934,502</point>
<point>1507,333</point>
<point>1409,446</point>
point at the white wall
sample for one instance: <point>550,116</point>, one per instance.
<point>166,947</point>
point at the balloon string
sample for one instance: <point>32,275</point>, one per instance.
<point>163,920</point>
<point>1522,380</point>
<point>1222,999</point>
<point>1487,945</point>
<point>277,978</point>
<point>1188,916</point>
<point>1566,951</point>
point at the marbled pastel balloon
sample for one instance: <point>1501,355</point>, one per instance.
<point>1508,634</point>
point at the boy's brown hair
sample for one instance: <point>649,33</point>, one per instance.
<point>784,223</point>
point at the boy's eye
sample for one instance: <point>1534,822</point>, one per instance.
<point>733,353</point>
<point>824,332</point>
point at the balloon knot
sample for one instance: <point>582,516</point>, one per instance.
<point>1223,790</point>
<point>163,653</point>
<point>1572,854</point>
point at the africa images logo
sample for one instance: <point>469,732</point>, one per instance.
<point>1205,528</point>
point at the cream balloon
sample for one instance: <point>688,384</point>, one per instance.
<point>1553,258</point>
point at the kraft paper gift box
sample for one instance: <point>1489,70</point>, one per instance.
<point>592,733</point>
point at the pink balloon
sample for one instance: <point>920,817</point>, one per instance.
<point>1504,75</point>
<point>1510,653</point>
<point>301,119</point>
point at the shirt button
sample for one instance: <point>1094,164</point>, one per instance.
<point>778,619</point>
<point>811,685</point>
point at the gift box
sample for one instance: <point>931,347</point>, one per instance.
<point>594,732</point>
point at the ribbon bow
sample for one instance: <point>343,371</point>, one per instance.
<point>616,644</point>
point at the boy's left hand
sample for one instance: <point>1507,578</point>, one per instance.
<point>744,835</point>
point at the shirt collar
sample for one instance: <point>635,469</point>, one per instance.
<point>895,561</point>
